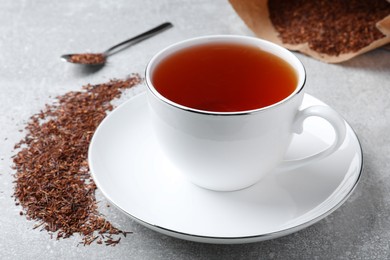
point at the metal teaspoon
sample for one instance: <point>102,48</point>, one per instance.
<point>101,58</point>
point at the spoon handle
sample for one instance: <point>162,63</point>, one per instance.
<point>141,36</point>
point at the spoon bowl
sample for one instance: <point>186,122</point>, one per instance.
<point>93,59</point>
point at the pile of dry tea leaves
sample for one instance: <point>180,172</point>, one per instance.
<point>332,27</point>
<point>52,179</point>
<point>332,31</point>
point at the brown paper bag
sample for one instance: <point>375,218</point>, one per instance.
<point>256,16</point>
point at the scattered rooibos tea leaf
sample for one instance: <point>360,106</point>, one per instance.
<point>52,180</point>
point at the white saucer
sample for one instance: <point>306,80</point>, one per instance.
<point>133,173</point>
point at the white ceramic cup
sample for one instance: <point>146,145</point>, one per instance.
<point>228,151</point>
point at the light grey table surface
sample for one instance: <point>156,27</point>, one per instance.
<point>33,34</point>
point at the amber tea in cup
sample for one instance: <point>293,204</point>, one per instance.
<point>224,77</point>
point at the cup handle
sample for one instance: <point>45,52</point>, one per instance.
<point>333,118</point>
